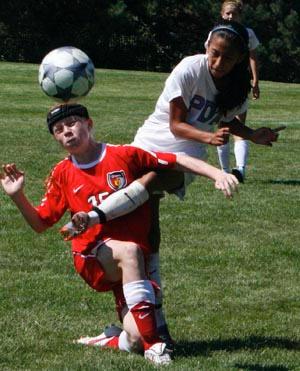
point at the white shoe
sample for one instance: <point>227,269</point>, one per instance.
<point>102,339</point>
<point>158,354</point>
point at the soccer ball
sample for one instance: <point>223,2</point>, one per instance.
<point>66,74</point>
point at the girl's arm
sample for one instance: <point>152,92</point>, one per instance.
<point>263,135</point>
<point>254,70</point>
<point>12,181</point>
<point>180,128</point>
<point>227,183</point>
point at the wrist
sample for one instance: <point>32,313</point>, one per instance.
<point>210,138</point>
<point>96,216</point>
<point>17,196</point>
<point>251,136</point>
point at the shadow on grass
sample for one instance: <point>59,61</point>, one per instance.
<point>205,348</point>
<point>292,182</point>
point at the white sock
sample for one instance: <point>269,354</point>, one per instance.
<point>224,157</point>
<point>124,344</point>
<point>137,291</point>
<point>154,275</point>
<point>241,154</point>
<point>121,202</point>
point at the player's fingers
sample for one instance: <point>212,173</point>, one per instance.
<point>232,183</point>
<point>224,187</point>
<point>11,171</point>
<point>227,191</point>
<point>65,235</point>
<point>76,220</point>
<point>225,130</point>
<point>233,180</point>
<point>8,171</point>
<point>16,172</point>
<point>68,232</point>
<point>279,128</point>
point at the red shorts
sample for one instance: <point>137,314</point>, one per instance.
<point>91,270</point>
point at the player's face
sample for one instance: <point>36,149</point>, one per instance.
<point>231,13</point>
<point>221,57</point>
<point>73,133</point>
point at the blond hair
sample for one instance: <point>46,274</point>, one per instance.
<point>238,4</point>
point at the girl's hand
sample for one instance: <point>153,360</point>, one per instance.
<point>227,183</point>
<point>255,92</point>
<point>220,137</point>
<point>12,179</point>
<point>266,136</point>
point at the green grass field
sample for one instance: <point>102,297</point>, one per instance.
<point>231,269</point>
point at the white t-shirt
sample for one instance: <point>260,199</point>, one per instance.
<point>192,81</point>
<point>253,40</point>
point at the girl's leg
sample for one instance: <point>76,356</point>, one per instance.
<point>165,181</point>
<point>224,157</point>
<point>241,151</point>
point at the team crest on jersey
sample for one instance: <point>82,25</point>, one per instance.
<point>116,180</point>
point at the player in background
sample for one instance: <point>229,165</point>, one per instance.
<point>232,10</point>
<point>109,256</point>
<point>202,90</point>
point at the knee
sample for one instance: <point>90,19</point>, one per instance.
<point>133,255</point>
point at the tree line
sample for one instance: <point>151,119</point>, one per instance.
<point>146,34</point>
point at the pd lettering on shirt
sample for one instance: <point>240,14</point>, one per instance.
<point>201,109</point>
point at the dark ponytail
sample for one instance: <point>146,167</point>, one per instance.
<point>238,87</point>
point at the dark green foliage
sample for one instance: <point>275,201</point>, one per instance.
<point>145,34</point>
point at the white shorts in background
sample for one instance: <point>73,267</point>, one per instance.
<point>160,141</point>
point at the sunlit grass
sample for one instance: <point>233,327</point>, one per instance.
<point>230,268</point>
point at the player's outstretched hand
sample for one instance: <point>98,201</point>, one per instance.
<point>255,92</point>
<point>266,136</point>
<point>227,183</point>
<point>12,179</point>
<point>78,225</point>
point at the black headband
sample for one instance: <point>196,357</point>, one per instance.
<point>230,29</point>
<point>61,112</point>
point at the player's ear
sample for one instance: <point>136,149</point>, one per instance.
<point>90,123</point>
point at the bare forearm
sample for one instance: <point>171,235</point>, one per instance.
<point>29,212</point>
<point>254,67</point>
<point>194,165</point>
<point>186,131</point>
<point>236,127</point>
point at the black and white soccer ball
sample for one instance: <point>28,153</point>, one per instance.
<point>66,74</point>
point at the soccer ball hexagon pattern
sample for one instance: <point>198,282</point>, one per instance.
<point>66,74</point>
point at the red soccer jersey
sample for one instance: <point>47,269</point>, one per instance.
<point>76,187</point>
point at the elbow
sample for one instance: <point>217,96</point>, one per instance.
<point>39,228</point>
<point>175,130</point>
